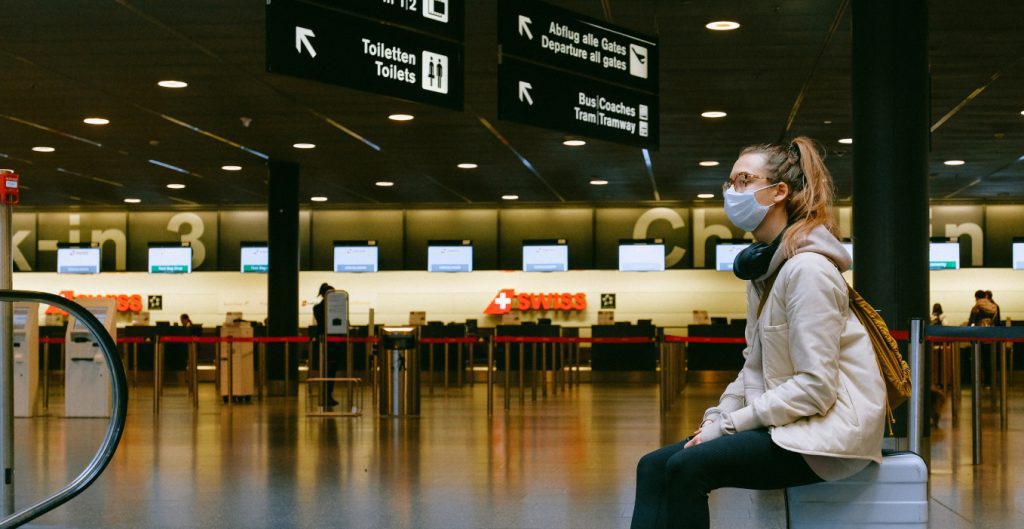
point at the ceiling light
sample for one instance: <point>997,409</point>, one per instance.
<point>954,162</point>
<point>231,167</point>
<point>401,117</point>
<point>467,166</point>
<point>43,149</point>
<point>96,121</point>
<point>827,122</point>
<point>574,143</point>
<point>132,200</point>
<point>708,163</point>
<point>706,195</point>
<point>510,197</point>
<point>722,25</point>
<point>846,141</point>
<point>175,186</point>
<point>598,182</point>
<point>318,199</point>
<point>384,183</point>
<point>713,114</point>
<point>173,84</point>
<point>1022,112</point>
<point>304,146</point>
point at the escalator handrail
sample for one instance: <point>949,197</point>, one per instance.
<point>117,418</point>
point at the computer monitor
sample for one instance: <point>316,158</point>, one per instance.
<point>450,256</point>
<point>726,252</point>
<point>99,312</point>
<point>255,257</point>
<point>78,260</point>
<point>944,256</point>
<point>551,255</point>
<point>641,255</point>
<point>170,258</point>
<point>356,256</point>
<point>1018,253</point>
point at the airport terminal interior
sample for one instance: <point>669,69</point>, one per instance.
<point>462,263</point>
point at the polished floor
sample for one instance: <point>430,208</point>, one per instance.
<point>566,460</point>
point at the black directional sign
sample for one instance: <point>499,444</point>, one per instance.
<point>554,99</point>
<point>568,72</point>
<point>440,17</point>
<point>323,44</point>
<point>541,32</point>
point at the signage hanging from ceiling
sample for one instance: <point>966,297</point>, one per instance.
<point>444,18</point>
<point>572,73</point>
<point>319,43</point>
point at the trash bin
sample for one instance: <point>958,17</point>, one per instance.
<point>400,373</point>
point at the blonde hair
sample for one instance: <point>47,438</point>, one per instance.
<point>801,165</point>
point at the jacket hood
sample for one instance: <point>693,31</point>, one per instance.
<point>820,241</point>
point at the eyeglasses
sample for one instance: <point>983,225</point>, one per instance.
<point>740,181</point>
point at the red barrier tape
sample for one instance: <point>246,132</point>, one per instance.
<point>566,339</point>
<point>431,341</point>
<point>343,339</point>
<point>704,339</point>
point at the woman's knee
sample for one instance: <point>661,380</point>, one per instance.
<point>650,465</point>
<point>685,467</point>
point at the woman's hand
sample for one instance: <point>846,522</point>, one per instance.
<point>695,440</point>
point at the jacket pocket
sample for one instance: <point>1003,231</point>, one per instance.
<point>775,358</point>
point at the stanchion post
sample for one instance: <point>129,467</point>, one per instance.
<point>522,373</point>
<point>508,376</point>
<point>46,379</point>
<point>915,427</point>
<point>533,371</point>
<point>976,401</point>
<point>1004,413</point>
<point>193,352</point>
<point>231,371</point>
<point>430,367</point>
<point>261,349</point>
<point>447,350</point>
<point>490,378</point>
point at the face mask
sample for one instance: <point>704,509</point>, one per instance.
<point>744,210</point>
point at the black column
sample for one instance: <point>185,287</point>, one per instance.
<point>283,276</point>
<point>890,162</point>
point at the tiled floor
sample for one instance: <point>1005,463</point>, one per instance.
<point>564,461</point>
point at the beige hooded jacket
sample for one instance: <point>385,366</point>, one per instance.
<point>810,372</point>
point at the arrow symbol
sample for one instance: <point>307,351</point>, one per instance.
<point>302,36</point>
<point>524,92</point>
<point>524,26</point>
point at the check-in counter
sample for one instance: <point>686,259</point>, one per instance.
<point>715,361</point>
<point>524,329</point>
<point>625,356</point>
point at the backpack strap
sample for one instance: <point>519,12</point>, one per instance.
<point>768,284</point>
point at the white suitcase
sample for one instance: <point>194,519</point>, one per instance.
<point>893,494</point>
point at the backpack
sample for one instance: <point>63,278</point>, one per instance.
<point>894,369</point>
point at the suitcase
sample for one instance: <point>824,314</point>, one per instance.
<point>893,494</point>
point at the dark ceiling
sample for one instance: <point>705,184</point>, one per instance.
<point>67,60</point>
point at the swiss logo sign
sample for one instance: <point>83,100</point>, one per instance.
<point>508,300</point>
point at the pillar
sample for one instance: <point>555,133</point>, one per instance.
<point>283,275</point>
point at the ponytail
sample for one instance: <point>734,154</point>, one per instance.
<point>801,166</point>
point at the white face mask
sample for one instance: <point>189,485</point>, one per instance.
<point>744,210</point>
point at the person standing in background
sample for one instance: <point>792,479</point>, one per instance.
<point>938,318</point>
<point>998,318</point>
<point>332,353</point>
<point>983,312</point>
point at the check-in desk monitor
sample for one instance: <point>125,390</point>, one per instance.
<point>1018,253</point>
<point>450,256</point>
<point>78,260</point>
<point>255,258</point>
<point>169,258</point>
<point>725,254</point>
<point>546,256</point>
<point>641,255</point>
<point>86,378</point>
<point>944,256</point>
<point>356,256</point>
<point>26,358</point>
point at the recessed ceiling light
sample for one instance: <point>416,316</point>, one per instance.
<point>468,166</point>
<point>384,183</point>
<point>574,143</point>
<point>401,117</point>
<point>173,84</point>
<point>1022,112</point>
<point>846,141</point>
<point>96,121</point>
<point>43,149</point>
<point>708,163</point>
<point>304,146</point>
<point>598,182</point>
<point>706,195</point>
<point>231,167</point>
<point>827,122</point>
<point>318,199</point>
<point>954,162</point>
<point>713,114</point>
<point>132,200</point>
<point>175,186</point>
<point>722,25</point>
<point>510,197</point>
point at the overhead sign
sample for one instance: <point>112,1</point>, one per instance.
<point>508,300</point>
<point>541,32</point>
<point>440,17</point>
<point>322,44</point>
<point>557,100</point>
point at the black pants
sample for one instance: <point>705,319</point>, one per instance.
<point>672,484</point>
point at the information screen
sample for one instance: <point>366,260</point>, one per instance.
<point>20,318</point>
<point>944,256</point>
<point>78,260</point>
<point>1018,255</point>
<point>255,259</point>
<point>170,259</point>
<point>545,257</point>
<point>356,258</point>
<point>449,258</point>
<point>725,255</point>
<point>641,257</point>
<point>100,314</point>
